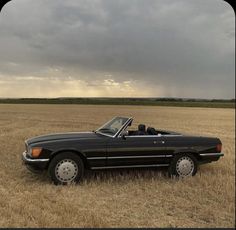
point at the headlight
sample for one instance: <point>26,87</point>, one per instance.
<point>35,151</point>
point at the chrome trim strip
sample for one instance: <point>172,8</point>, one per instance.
<point>166,135</point>
<point>96,158</point>
<point>211,154</point>
<point>33,160</point>
<point>134,150</point>
<point>127,157</point>
<point>130,166</point>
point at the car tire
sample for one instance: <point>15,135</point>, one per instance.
<point>66,168</point>
<point>183,165</point>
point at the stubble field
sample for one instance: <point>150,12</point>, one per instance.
<point>115,198</point>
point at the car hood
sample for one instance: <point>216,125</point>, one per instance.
<point>61,136</point>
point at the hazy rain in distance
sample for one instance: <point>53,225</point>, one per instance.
<point>144,48</point>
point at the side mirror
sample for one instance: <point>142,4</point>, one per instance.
<point>124,133</point>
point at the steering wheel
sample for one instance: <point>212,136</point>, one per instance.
<point>114,130</point>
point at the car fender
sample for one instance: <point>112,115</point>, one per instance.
<point>187,150</point>
<point>80,154</point>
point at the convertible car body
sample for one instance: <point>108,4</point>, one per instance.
<point>116,145</point>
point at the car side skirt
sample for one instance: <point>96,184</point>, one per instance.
<point>130,166</point>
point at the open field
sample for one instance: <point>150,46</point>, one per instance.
<point>129,198</point>
<point>179,102</point>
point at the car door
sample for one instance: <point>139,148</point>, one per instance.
<point>136,151</point>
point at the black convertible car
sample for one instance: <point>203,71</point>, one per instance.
<point>115,145</point>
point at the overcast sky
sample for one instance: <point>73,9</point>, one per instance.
<point>117,48</point>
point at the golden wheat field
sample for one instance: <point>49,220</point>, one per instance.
<point>115,198</point>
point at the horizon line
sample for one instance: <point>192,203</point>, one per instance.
<point>193,98</point>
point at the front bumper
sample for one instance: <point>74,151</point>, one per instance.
<point>36,164</point>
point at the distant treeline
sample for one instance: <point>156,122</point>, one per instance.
<point>188,102</point>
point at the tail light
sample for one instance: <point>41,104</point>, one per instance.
<point>218,148</point>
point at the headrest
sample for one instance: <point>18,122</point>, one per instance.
<point>151,130</point>
<point>141,127</point>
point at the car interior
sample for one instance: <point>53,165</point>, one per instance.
<point>142,130</point>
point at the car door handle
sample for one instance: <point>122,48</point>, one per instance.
<point>155,142</point>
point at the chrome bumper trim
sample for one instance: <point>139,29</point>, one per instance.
<point>32,160</point>
<point>211,154</point>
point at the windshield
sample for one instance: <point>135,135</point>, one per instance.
<point>113,126</point>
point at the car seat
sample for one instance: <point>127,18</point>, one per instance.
<point>141,129</point>
<point>151,131</point>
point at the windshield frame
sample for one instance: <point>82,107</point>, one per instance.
<point>129,119</point>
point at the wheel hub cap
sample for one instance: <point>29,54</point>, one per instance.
<point>185,166</point>
<point>66,170</point>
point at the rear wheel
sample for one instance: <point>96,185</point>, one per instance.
<point>66,168</point>
<point>183,165</point>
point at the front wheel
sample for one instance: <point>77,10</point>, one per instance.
<point>183,165</point>
<point>66,168</point>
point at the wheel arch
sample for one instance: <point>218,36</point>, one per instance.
<point>189,151</point>
<point>84,159</point>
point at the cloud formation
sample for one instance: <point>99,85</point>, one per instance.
<point>124,48</point>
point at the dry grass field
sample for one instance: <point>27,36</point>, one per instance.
<point>115,198</point>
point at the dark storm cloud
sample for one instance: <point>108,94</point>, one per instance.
<point>186,47</point>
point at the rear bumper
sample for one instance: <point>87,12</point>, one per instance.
<point>211,156</point>
<point>36,164</point>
